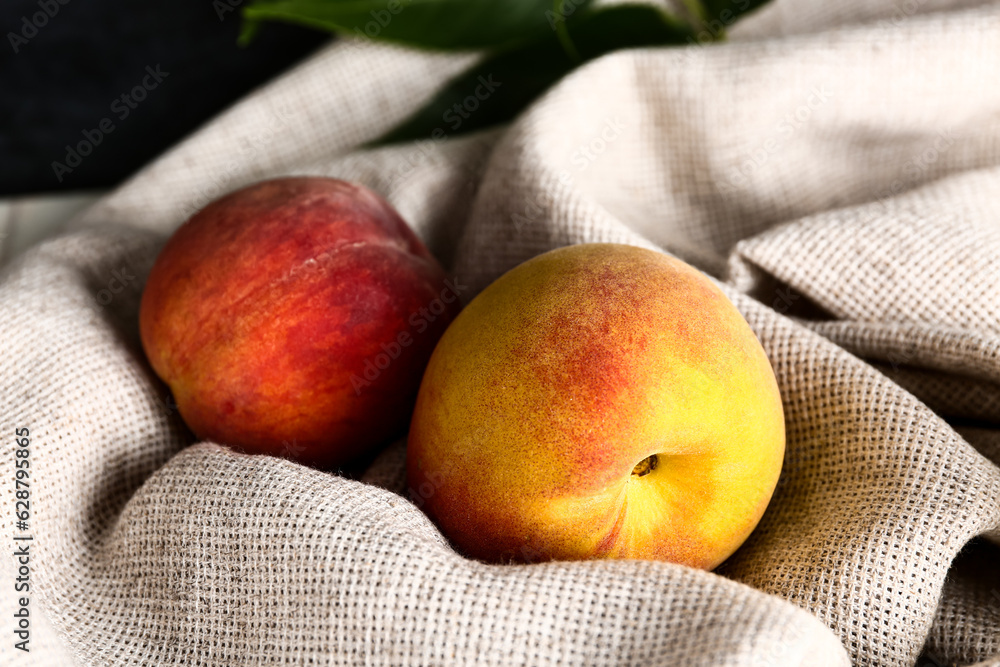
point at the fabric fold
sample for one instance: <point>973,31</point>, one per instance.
<point>834,168</point>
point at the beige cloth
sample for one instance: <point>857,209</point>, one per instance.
<point>836,166</point>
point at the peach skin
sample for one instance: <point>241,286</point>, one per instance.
<point>295,317</point>
<point>598,401</point>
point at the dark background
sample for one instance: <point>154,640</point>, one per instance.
<point>64,80</point>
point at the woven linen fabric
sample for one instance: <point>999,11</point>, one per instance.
<point>835,167</point>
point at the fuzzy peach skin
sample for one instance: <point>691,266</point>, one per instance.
<point>598,401</point>
<point>295,317</point>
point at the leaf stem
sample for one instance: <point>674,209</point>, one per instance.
<point>248,30</point>
<point>562,33</point>
<point>697,11</point>
<point>696,8</point>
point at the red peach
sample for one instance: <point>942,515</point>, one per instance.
<point>295,317</point>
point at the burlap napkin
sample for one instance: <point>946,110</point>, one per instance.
<point>836,167</point>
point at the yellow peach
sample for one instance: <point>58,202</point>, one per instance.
<point>598,401</point>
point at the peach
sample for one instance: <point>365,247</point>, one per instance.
<point>295,317</point>
<point>597,401</point>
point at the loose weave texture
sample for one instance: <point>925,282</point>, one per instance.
<point>835,166</point>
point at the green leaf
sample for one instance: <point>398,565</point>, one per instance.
<point>510,81</point>
<point>559,9</point>
<point>248,31</point>
<point>718,15</point>
<point>429,24</point>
